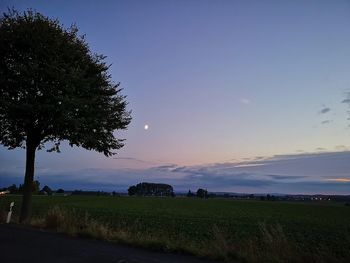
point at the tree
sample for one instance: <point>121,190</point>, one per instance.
<point>132,190</point>
<point>151,189</point>
<point>46,190</point>
<point>34,188</point>
<point>13,189</point>
<point>60,191</point>
<point>202,193</point>
<point>189,193</point>
<point>54,88</point>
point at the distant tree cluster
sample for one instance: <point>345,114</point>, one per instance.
<point>46,190</point>
<point>268,197</point>
<point>201,193</point>
<point>13,189</point>
<point>151,189</point>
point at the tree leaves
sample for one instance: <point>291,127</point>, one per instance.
<point>54,88</point>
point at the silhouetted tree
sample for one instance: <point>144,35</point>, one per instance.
<point>46,190</point>
<point>52,89</point>
<point>190,194</point>
<point>13,189</point>
<point>151,189</point>
<point>60,191</point>
<point>202,193</point>
<point>34,189</point>
<point>132,190</point>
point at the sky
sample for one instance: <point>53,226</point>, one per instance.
<point>240,96</point>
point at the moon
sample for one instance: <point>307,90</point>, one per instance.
<point>146,127</point>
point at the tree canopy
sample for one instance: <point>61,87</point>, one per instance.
<point>151,189</point>
<point>202,193</point>
<point>54,88</point>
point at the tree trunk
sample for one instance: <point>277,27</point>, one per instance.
<point>28,182</point>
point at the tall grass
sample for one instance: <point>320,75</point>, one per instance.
<point>72,223</point>
<point>269,245</point>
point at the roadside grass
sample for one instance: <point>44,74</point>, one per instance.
<point>270,245</point>
<point>232,231</point>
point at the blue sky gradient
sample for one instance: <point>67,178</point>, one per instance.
<point>218,82</point>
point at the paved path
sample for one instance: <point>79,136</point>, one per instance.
<point>21,244</point>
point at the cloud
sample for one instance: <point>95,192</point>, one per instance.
<point>325,110</point>
<point>259,157</point>
<point>311,165</point>
<point>347,100</point>
<point>321,149</point>
<point>179,169</point>
<point>131,159</point>
<point>291,173</point>
<point>326,122</point>
<point>245,101</point>
<point>248,165</point>
<point>341,148</point>
<point>125,162</point>
<point>342,180</point>
<point>285,177</point>
<point>167,167</point>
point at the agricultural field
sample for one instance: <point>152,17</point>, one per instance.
<point>230,230</point>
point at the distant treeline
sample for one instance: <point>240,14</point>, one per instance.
<point>151,189</point>
<point>46,190</point>
<point>157,189</point>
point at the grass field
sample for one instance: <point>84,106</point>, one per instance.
<point>233,230</point>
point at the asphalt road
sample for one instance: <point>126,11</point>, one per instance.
<point>21,244</point>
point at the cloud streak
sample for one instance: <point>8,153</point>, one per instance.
<point>245,101</point>
<point>325,110</point>
<point>347,100</point>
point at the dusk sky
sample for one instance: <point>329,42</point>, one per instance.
<point>240,96</point>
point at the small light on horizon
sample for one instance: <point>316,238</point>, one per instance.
<point>146,127</point>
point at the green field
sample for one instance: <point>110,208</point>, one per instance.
<point>222,228</point>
